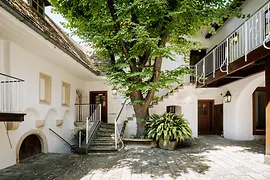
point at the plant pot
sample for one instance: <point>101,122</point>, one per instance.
<point>171,145</point>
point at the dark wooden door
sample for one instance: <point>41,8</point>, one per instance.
<point>218,119</point>
<point>205,116</point>
<point>100,97</point>
<point>30,146</point>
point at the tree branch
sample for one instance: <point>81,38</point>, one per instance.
<point>117,25</point>
<point>156,69</point>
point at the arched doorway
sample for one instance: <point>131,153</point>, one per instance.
<point>30,146</point>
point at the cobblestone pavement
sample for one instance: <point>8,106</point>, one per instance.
<point>208,157</point>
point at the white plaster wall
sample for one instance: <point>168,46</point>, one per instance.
<point>27,66</point>
<point>114,102</point>
<point>188,98</point>
<point>249,7</point>
<point>238,123</point>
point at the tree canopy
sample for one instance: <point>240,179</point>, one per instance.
<point>134,36</point>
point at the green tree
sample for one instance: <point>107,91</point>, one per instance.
<point>135,36</point>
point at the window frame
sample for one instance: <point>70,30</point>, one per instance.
<point>38,6</point>
<point>47,90</point>
<point>67,94</point>
<point>254,112</point>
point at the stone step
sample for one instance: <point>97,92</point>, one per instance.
<point>102,148</point>
<point>105,134</point>
<point>102,129</point>
<point>107,125</point>
<point>103,143</point>
<point>104,138</point>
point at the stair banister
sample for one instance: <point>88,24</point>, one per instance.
<point>115,124</point>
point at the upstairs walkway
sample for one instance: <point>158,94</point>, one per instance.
<point>209,157</point>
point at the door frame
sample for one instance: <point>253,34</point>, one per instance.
<point>256,131</point>
<point>215,118</point>
<point>106,97</point>
<point>212,115</point>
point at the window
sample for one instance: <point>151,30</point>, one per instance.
<point>45,84</point>
<point>65,94</point>
<point>171,109</point>
<point>39,6</point>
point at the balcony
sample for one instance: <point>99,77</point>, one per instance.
<point>240,55</point>
<point>11,99</point>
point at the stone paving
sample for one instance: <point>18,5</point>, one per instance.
<point>208,157</point>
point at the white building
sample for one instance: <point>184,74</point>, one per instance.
<point>44,73</point>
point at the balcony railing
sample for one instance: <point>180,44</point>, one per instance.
<point>11,94</point>
<point>86,110</point>
<point>246,38</point>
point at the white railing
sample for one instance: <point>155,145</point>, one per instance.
<point>11,94</point>
<point>92,115</point>
<point>84,110</point>
<point>92,122</point>
<point>246,38</point>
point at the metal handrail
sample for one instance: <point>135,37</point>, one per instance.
<point>67,143</point>
<point>116,131</point>
<point>20,80</point>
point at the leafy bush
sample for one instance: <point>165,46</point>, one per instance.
<point>168,127</point>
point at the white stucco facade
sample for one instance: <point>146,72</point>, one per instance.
<point>25,54</point>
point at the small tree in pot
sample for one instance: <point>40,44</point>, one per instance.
<point>169,129</point>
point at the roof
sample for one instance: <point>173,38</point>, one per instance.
<point>49,30</point>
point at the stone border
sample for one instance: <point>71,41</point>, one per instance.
<point>40,135</point>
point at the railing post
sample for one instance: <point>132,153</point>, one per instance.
<point>246,40</point>
<point>80,139</point>
<point>227,56</point>
<point>214,63</point>
<point>204,71</point>
<point>196,73</point>
<point>99,112</point>
<point>115,134</point>
<point>87,130</point>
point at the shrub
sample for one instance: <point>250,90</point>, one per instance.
<point>168,127</point>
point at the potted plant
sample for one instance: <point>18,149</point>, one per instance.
<point>169,129</point>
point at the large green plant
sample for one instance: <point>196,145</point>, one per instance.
<point>168,127</point>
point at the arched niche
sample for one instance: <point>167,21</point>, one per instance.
<point>32,134</point>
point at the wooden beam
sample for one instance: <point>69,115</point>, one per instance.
<point>267,111</point>
<point>235,77</point>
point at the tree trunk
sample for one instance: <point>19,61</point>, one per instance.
<point>141,113</point>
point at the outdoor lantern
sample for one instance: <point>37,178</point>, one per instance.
<point>228,97</point>
<point>114,91</point>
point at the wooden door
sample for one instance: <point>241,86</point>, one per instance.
<point>218,119</point>
<point>100,97</point>
<point>205,116</point>
<point>30,146</point>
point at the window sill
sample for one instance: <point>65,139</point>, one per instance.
<point>44,102</point>
<point>65,105</point>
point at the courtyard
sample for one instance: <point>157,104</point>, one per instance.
<point>208,157</point>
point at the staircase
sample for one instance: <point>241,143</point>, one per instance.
<point>104,141</point>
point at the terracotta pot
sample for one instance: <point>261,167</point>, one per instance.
<point>171,145</point>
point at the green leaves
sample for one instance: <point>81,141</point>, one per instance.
<point>132,35</point>
<point>168,127</point>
